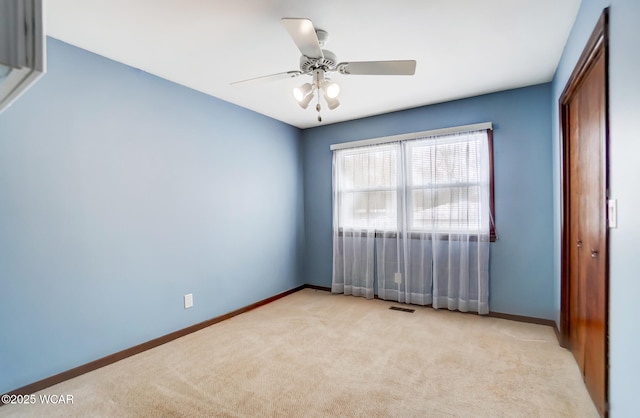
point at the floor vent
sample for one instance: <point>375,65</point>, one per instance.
<point>397,308</point>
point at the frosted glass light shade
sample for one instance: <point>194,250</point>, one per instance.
<point>332,103</point>
<point>305,102</point>
<point>333,90</point>
<point>302,92</point>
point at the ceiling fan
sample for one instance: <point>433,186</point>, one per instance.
<point>318,63</point>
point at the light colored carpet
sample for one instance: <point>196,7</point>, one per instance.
<point>316,354</point>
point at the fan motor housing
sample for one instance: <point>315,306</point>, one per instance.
<point>328,63</point>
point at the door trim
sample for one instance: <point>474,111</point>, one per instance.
<point>597,45</point>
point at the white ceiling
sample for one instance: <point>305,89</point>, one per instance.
<point>463,48</point>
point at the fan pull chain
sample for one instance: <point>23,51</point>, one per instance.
<point>318,108</point>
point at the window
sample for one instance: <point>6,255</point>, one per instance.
<point>369,187</point>
<point>440,184</point>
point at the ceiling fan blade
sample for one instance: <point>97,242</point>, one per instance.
<point>403,67</point>
<point>304,35</point>
<point>271,77</point>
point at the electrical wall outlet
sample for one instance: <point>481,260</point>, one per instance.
<point>397,277</point>
<point>188,300</point>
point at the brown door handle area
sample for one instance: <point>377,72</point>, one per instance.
<point>579,244</point>
<point>594,254</point>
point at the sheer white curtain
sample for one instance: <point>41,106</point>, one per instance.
<point>366,185</point>
<point>414,216</point>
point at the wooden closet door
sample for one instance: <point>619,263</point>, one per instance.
<point>588,230</point>
<point>584,282</point>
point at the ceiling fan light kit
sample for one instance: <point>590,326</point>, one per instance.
<point>306,92</point>
<point>317,62</point>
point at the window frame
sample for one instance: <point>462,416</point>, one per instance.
<point>487,127</point>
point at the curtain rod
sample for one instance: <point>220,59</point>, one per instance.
<point>413,135</point>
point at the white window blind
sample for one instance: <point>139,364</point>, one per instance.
<point>444,183</point>
<point>368,184</point>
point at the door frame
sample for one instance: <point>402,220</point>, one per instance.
<point>597,45</point>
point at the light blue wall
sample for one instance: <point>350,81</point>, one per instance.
<point>522,259</point>
<point>121,192</point>
<point>624,172</point>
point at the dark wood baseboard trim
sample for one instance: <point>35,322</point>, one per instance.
<point>559,336</point>
<point>520,318</point>
<point>316,287</point>
<point>120,355</point>
<point>529,320</point>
